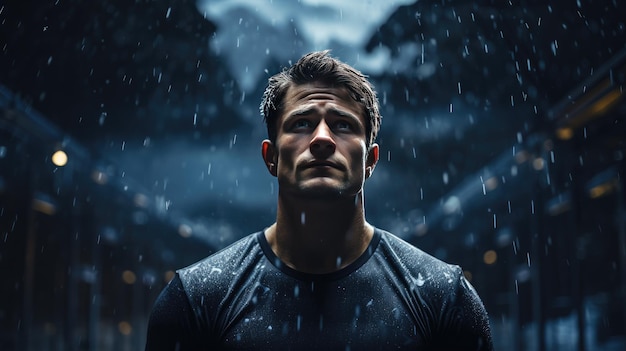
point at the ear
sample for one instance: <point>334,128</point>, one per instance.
<point>372,159</point>
<point>269,156</point>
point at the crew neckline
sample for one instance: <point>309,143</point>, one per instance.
<point>280,265</point>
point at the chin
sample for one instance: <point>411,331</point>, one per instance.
<point>326,191</point>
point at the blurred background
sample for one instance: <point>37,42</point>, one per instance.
<point>130,147</point>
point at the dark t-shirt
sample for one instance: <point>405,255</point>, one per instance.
<point>394,296</point>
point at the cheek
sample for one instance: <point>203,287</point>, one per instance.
<point>286,158</point>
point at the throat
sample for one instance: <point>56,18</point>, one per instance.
<point>319,236</point>
<point>317,242</point>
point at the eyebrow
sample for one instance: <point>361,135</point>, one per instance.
<point>331,110</point>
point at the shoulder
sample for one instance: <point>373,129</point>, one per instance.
<point>219,268</point>
<point>414,259</point>
<point>436,282</point>
<point>442,288</point>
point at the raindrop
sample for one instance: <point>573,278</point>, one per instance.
<point>494,221</point>
<point>554,46</point>
<point>420,280</point>
<point>169,10</point>
<point>195,118</point>
<point>445,178</point>
<point>102,118</point>
<point>302,218</point>
<point>528,258</point>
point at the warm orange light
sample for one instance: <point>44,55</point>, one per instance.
<point>44,206</point>
<point>129,277</point>
<point>168,276</point>
<point>521,156</point>
<point>490,257</point>
<point>564,133</point>
<point>125,328</point>
<point>602,105</point>
<point>602,189</point>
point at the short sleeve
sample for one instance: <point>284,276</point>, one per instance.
<point>465,324</point>
<point>172,325</point>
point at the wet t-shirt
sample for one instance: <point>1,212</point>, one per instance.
<point>394,296</point>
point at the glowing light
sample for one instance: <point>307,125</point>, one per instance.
<point>185,230</point>
<point>491,183</point>
<point>538,163</point>
<point>129,277</point>
<point>601,190</point>
<point>44,206</point>
<point>59,158</point>
<point>564,133</point>
<point>168,276</point>
<point>521,156</point>
<point>490,257</point>
<point>99,177</point>
<point>125,328</point>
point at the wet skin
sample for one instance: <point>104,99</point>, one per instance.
<point>320,149</point>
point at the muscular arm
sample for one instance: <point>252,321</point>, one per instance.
<point>172,324</point>
<point>465,325</point>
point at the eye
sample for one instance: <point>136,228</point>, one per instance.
<point>301,124</point>
<point>343,125</point>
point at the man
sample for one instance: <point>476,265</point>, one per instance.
<point>320,277</point>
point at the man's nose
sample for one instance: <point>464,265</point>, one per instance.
<point>322,145</point>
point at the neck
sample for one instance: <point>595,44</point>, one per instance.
<point>321,235</point>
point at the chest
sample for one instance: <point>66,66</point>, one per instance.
<point>349,315</point>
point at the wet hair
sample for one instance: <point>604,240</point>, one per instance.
<point>319,66</point>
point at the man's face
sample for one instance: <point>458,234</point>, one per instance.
<point>320,147</point>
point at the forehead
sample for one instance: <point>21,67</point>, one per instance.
<point>309,93</point>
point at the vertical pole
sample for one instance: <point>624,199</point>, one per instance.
<point>536,257</point>
<point>621,225</point>
<point>95,292</point>
<point>29,280</point>
<point>576,256</point>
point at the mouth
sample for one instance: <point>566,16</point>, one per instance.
<point>321,164</point>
